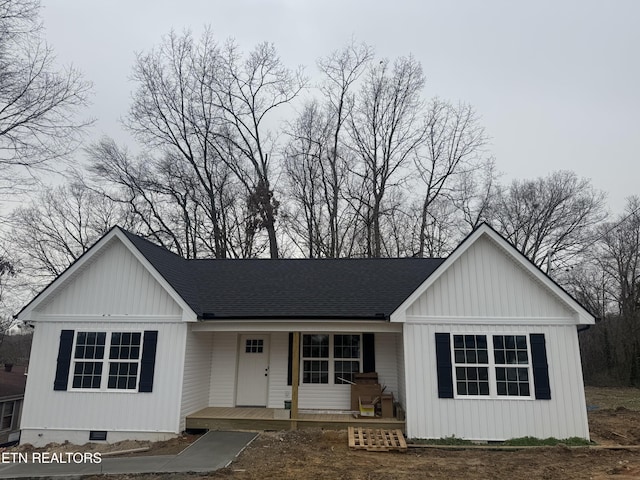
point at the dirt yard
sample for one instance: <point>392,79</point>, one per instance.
<point>614,418</point>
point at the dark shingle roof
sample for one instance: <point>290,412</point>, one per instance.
<point>291,288</point>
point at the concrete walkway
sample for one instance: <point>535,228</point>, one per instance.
<point>212,451</point>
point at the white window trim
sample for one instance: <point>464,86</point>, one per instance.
<point>493,383</point>
<point>331,359</point>
<point>4,405</point>
<point>106,361</point>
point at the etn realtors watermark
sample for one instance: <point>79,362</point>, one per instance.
<point>51,457</point>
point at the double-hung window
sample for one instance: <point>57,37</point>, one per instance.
<point>512,365</point>
<point>331,358</point>
<point>491,366</point>
<point>88,359</point>
<point>7,412</point>
<point>124,359</point>
<point>111,359</point>
<point>472,364</point>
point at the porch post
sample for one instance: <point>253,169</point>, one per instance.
<point>295,376</point>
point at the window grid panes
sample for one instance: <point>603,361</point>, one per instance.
<point>123,375</point>
<point>331,358</point>
<point>89,346</point>
<point>87,374</point>
<point>254,345</point>
<point>345,371</point>
<point>6,410</point>
<point>346,347</point>
<point>90,362</point>
<point>513,380</point>
<point>471,360</point>
<point>315,371</point>
<point>315,347</point>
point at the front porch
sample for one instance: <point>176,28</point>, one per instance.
<point>249,418</point>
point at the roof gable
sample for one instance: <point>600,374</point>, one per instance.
<point>486,277</point>
<point>84,284</point>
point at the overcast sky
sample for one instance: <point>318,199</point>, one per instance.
<point>557,84</point>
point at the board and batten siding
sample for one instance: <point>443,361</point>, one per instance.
<point>487,283</point>
<point>428,416</point>
<point>49,415</point>
<point>196,379</point>
<point>112,283</point>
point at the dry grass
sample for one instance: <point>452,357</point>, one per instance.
<point>612,398</point>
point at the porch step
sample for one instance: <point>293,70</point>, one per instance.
<point>376,439</point>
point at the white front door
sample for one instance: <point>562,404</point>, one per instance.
<point>253,371</point>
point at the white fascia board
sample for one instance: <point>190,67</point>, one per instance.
<point>188,315</point>
<point>515,321</point>
<point>296,325</point>
<point>27,314</point>
<point>583,316</point>
<point>399,314</point>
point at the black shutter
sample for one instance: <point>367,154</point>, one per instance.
<point>148,362</point>
<point>540,367</point>
<point>368,353</point>
<point>443,366</point>
<point>290,362</point>
<point>64,360</point>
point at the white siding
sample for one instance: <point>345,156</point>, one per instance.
<point>279,391</point>
<point>224,360</point>
<point>113,283</point>
<point>387,361</point>
<point>485,282</point>
<point>494,419</point>
<point>46,410</point>
<point>197,373</point>
<point>401,373</point>
<point>329,397</point>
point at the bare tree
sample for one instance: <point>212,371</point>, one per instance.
<point>550,220</point>
<point>248,91</point>
<point>57,227</point>
<point>175,113</point>
<point>7,271</point>
<point>387,129</point>
<point>452,151</point>
<point>38,102</point>
<point>317,156</point>
<point>610,283</point>
<point>620,244</point>
<point>206,106</point>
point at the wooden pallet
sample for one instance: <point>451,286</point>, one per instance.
<point>376,439</point>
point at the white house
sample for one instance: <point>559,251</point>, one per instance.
<point>132,339</point>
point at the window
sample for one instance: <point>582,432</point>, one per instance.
<point>125,347</point>
<point>123,363</point>
<point>315,347</point>
<point>511,350</point>
<point>336,357</point>
<point>6,414</point>
<point>89,352</point>
<point>346,352</point>
<point>504,371</point>
<point>472,364</point>
<point>254,346</point>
